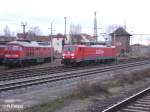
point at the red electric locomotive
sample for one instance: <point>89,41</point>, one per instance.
<point>76,54</point>
<point>27,52</point>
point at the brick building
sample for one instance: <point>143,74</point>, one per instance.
<point>121,39</point>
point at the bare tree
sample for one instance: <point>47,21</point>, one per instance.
<point>72,28</point>
<point>35,31</point>
<point>75,33</point>
<point>75,29</point>
<point>7,32</point>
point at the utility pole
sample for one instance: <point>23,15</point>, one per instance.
<point>24,28</point>
<point>51,41</point>
<point>63,41</point>
<point>114,39</point>
<point>65,26</point>
<point>95,27</point>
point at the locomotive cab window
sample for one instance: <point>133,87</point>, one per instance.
<point>69,48</point>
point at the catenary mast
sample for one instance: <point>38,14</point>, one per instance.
<point>95,27</point>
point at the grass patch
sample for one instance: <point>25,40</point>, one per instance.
<point>51,106</point>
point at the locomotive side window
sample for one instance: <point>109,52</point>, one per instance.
<point>14,48</point>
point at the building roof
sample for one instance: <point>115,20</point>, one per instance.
<point>87,35</point>
<point>59,36</point>
<point>137,45</point>
<point>120,32</point>
<point>33,37</point>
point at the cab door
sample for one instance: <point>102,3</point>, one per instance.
<point>81,53</point>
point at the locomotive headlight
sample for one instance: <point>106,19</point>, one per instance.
<point>7,55</point>
<point>16,55</point>
<point>72,54</point>
<point>72,57</point>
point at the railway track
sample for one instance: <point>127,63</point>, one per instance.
<point>139,102</point>
<point>9,85</point>
<point>38,72</point>
<point>24,73</point>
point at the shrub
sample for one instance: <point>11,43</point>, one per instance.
<point>86,88</point>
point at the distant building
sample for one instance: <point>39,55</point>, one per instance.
<point>83,37</point>
<point>58,41</point>
<point>121,39</point>
<point>140,50</point>
<point>32,37</point>
<point>5,38</point>
<point>22,36</point>
<point>87,38</point>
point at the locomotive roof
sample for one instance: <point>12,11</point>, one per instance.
<point>102,46</point>
<point>3,43</point>
<point>31,43</point>
<point>2,46</point>
<point>92,46</point>
<point>76,45</point>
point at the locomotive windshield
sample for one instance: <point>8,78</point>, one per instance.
<point>69,48</point>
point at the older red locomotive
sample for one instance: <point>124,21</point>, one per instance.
<point>77,54</point>
<point>2,50</point>
<point>27,52</point>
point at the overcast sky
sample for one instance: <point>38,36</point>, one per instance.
<point>42,12</point>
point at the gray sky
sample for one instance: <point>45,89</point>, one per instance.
<point>42,12</point>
